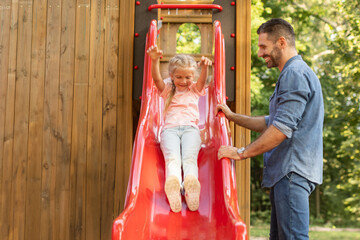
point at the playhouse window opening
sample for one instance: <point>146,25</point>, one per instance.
<point>188,39</point>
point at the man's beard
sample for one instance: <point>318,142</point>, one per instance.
<point>275,56</point>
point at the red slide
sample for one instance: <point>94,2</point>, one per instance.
<point>147,213</point>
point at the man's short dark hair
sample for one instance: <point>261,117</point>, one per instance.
<point>276,28</point>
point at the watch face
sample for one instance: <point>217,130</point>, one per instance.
<point>240,150</point>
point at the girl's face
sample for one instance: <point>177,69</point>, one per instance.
<point>182,78</point>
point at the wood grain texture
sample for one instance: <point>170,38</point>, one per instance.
<point>21,119</point>
<point>66,123</point>
<point>124,139</point>
<point>6,203</point>
<point>109,108</point>
<point>80,121</point>
<point>36,121</point>
<point>243,103</point>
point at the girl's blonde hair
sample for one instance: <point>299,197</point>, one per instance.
<point>179,61</point>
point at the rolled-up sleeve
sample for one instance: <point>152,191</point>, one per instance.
<point>293,94</point>
<point>267,119</point>
<point>283,128</point>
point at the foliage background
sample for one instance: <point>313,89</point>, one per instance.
<point>188,39</point>
<point>328,39</point>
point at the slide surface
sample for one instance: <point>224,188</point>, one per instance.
<point>147,213</point>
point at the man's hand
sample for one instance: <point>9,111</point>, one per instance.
<point>228,152</point>
<point>225,109</point>
<point>154,52</point>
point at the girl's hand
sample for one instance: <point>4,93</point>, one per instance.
<point>204,62</point>
<point>154,52</point>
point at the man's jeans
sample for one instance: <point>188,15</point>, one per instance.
<point>181,146</point>
<point>290,208</point>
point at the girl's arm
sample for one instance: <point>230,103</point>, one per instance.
<point>204,63</point>
<point>155,55</point>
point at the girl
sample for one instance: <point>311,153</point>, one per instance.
<point>180,137</point>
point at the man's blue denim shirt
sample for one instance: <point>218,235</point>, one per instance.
<point>297,110</point>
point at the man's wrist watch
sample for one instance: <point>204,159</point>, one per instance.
<point>240,152</point>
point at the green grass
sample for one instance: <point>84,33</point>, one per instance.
<point>263,231</point>
<point>331,235</point>
<point>259,231</point>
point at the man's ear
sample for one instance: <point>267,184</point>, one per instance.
<point>282,42</point>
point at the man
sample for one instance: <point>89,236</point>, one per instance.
<point>291,138</point>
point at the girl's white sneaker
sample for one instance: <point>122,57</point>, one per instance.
<point>172,190</point>
<point>192,192</point>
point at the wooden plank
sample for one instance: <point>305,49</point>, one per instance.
<point>187,18</point>
<point>197,57</point>
<point>168,38</point>
<point>206,31</point>
<point>63,147</point>
<point>6,203</point>
<point>33,182</point>
<point>242,136</point>
<point>189,14</point>
<point>93,163</point>
<point>5,16</point>
<point>50,120</point>
<point>108,151</point>
<point>21,120</point>
<point>124,139</point>
<point>79,122</point>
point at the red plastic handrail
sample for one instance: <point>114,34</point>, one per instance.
<point>196,6</point>
<point>228,166</point>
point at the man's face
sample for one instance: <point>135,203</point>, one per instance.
<point>269,51</point>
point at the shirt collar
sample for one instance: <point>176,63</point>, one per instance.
<point>297,57</point>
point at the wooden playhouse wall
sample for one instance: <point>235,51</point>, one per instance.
<point>66,124</point>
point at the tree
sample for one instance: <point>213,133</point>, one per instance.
<point>341,72</point>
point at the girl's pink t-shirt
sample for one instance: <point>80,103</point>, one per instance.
<point>183,109</point>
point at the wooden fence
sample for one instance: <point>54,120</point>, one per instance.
<point>66,121</point>
<point>65,116</point>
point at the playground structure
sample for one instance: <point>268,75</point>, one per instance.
<point>70,81</point>
<point>147,214</point>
